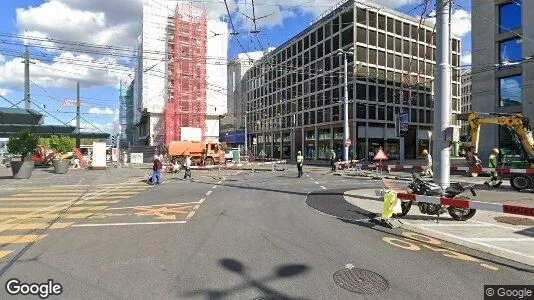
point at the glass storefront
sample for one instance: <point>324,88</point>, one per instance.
<point>393,150</point>
<point>309,151</point>
<point>323,151</point>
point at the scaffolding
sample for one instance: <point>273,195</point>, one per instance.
<point>186,42</point>
<point>126,111</point>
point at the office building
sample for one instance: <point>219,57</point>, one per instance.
<point>466,105</point>
<point>503,72</point>
<point>294,94</point>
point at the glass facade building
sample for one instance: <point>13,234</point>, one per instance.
<point>294,95</point>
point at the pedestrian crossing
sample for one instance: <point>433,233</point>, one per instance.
<point>24,215</point>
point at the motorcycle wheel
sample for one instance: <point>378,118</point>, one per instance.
<point>405,205</point>
<point>461,214</point>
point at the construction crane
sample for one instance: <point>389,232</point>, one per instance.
<point>521,131</point>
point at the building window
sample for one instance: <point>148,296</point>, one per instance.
<point>510,91</point>
<point>510,51</point>
<point>510,16</point>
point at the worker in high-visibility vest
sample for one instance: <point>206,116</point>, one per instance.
<point>300,161</point>
<point>494,181</point>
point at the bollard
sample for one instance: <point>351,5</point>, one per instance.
<point>219,172</point>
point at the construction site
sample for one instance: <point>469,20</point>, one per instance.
<point>184,98</point>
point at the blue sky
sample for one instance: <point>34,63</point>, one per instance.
<point>117,23</point>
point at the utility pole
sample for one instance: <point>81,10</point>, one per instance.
<point>26,75</point>
<point>345,102</point>
<point>442,117</point>
<point>246,136</point>
<point>78,104</point>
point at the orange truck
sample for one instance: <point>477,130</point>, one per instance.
<point>202,153</point>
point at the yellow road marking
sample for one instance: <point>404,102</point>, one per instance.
<point>38,198</point>
<point>50,209</point>
<point>33,226</point>
<point>58,191</point>
<point>20,239</point>
<point>4,254</point>
<point>40,204</point>
<point>100,197</point>
<point>45,216</point>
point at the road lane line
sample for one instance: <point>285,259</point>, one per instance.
<point>196,207</point>
<point>214,187</point>
<point>39,205</point>
<point>316,182</point>
<point>323,187</point>
<point>453,225</point>
<point>502,239</point>
<point>83,200</point>
<point>190,215</point>
<point>201,201</point>
<point>30,209</point>
<point>20,239</point>
<point>44,217</point>
<point>126,224</point>
<point>33,226</point>
<point>478,243</point>
<point>208,193</point>
<point>148,206</point>
<point>496,225</point>
<point>219,182</point>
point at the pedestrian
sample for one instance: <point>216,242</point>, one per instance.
<point>427,169</point>
<point>493,159</point>
<point>333,161</point>
<point>300,161</point>
<point>187,165</point>
<point>156,170</point>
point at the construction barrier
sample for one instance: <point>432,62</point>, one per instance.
<point>231,166</point>
<point>400,168</point>
<point>464,203</point>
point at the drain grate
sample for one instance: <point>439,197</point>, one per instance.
<point>360,281</point>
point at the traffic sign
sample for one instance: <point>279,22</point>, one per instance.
<point>380,155</point>
<point>348,142</point>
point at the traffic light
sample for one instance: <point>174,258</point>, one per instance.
<point>113,141</point>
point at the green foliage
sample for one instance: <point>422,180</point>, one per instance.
<point>61,144</point>
<point>45,142</point>
<point>23,143</point>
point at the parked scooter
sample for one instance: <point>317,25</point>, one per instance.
<point>421,187</point>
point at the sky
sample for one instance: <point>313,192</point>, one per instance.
<point>61,32</point>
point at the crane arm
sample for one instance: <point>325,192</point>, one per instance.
<point>516,122</point>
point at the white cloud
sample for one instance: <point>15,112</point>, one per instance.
<point>100,111</point>
<point>4,92</point>
<point>62,73</point>
<point>2,58</point>
<point>460,22</point>
<point>466,58</point>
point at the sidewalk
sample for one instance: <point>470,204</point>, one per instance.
<point>504,235</point>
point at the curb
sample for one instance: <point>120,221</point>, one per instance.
<point>467,244</point>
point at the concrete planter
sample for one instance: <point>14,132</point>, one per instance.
<point>61,166</point>
<point>22,169</point>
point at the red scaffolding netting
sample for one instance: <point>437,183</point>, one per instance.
<point>187,48</point>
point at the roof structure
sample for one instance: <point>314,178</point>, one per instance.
<point>14,120</point>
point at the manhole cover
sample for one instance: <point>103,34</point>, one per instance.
<point>515,221</point>
<point>360,281</point>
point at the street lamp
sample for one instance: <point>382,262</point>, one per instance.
<point>343,53</point>
<point>246,136</point>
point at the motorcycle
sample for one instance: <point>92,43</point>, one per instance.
<point>420,187</point>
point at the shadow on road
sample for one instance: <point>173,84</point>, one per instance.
<point>260,284</point>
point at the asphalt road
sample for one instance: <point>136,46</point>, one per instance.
<point>243,236</point>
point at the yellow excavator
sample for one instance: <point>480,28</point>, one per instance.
<point>520,129</point>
